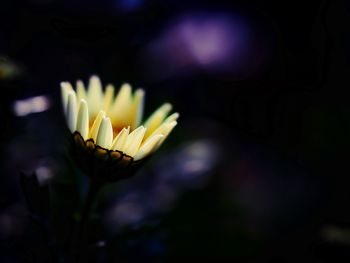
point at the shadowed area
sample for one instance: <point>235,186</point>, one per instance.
<point>256,169</point>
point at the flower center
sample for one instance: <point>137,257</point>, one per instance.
<point>116,130</point>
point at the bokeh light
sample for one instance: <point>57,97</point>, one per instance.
<point>216,42</point>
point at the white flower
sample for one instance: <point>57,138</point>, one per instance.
<point>113,121</point>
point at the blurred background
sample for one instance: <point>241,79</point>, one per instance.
<point>257,169</point>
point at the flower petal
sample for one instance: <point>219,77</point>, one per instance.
<point>105,134</point>
<point>72,111</point>
<point>136,110</point>
<point>81,92</point>
<point>157,118</point>
<point>66,88</point>
<point>120,109</point>
<point>148,146</point>
<point>172,117</point>
<point>96,125</point>
<point>94,95</point>
<point>83,119</point>
<point>134,140</point>
<point>120,139</point>
<point>108,98</point>
<point>124,95</point>
<point>168,127</point>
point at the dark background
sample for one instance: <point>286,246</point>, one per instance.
<point>266,123</point>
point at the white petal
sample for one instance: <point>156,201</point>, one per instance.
<point>120,139</point>
<point>136,110</point>
<point>94,95</point>
<point>81,92</point>
<point>96,125</point>
<point>72,111</point>
<point>66,88</point>
<point>157,118</point>
<point>166,131</point>
<point>134,140</point>
<point>108,98</point>
<point>148,146</point>
<point>83,119</point>
<point>105,134</point>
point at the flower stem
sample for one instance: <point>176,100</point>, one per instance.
<point>94,187</point>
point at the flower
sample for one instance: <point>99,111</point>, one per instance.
<point>107,133</point>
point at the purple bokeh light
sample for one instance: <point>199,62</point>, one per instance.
<point>214,42</point>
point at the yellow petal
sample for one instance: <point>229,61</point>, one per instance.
<point>120,109</point>
<point>72,111</point>
<point>148,146</point>
<point>124,94</point>
<point>134,140</point>
<point>157,118</point>
<point>120,139</point>
<point>83,119</point>
<point>105,134</point>
<point>172,117</point>
<point>96,125</point>
<point>136,110</point>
